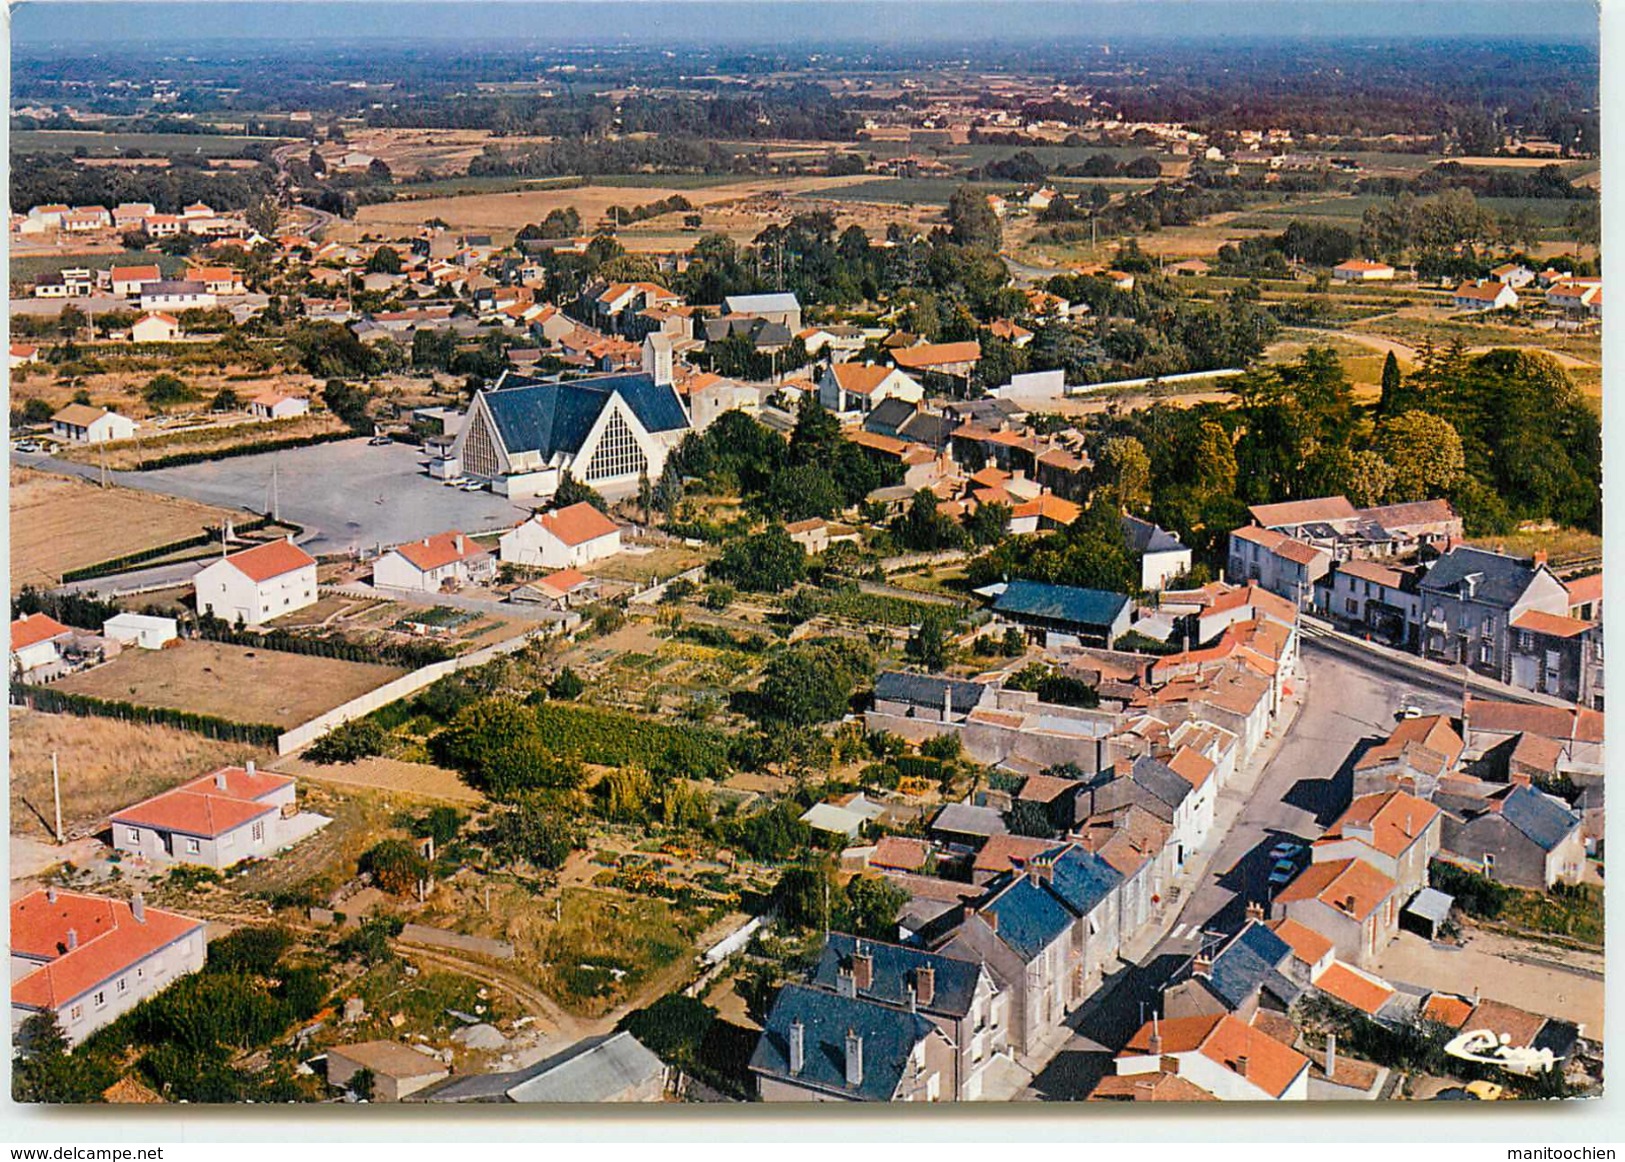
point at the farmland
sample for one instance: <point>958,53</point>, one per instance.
<point>113,144</point>
<point>231,682</point>
<point>105,765</point>
<point>60,523</point>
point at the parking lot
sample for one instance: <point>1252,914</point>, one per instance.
<point>347,494</point>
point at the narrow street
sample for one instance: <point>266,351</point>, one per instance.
<point>1304,787</point>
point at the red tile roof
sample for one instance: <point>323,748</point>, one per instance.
<point>1447,1010</point>
<point>859,378</point>
<point>1351,886</point>
<point>1307,945</point>
<point>1548,721</point>
<point>272,559</point>
<point>1226,1041</point>
<point>1300,512</point>
<point>111,941</point>
<point>1003,852</point>
<point>900,853</point>
<point>1353,987</point>
<point>1584,589</point>
<point>928,355</point>
<point>578,524</point>
<point>564,582</point>
<point>32,628</point>
<point>206,808</point>
<point>1550,624</point>
<point>1397,819</point>
<point>1191,766</point>
<point>439,550</point>
<point>1157,1086</point>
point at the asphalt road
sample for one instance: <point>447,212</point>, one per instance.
<point>1346,707</point>
<point>347,494</point>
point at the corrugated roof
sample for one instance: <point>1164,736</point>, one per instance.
<point>1093,608</point>
<point>600,1072</point>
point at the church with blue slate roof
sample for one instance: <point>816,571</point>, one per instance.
<point>607,431</point>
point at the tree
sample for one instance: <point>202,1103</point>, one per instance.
<point>43,1070</point>
<point>1424,452</point>
<point>263,216</point>
<point>395,866</point>
<point>497,745</point>
<point>534,830</point>
<point>225,400</point>
<point>348,404</point>
<point>249,951</point>
<point>673,1028</point>
<point>70,321</point>
<point>165,390</point>
<point>572,491</point>
<point>1126,470</point>
<point>871,906</point>
<point>803,895</point>
<point>362,1083</point>
<point>801,493</point>
<point>1388,404</point>
<point>971,220</point>
<point>813,681</point>
<point>384,260</point>
<point>36,411</point>
<point>928,644</point>
<point>767,562</point>
<point>566,685</point>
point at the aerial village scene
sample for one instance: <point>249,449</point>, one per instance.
<point>681,571</point>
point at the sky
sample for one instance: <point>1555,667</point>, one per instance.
<point>764,22</point>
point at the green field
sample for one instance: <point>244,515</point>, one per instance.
<point>902,191</point>
<point>30,266</point>
<point>117,144</point>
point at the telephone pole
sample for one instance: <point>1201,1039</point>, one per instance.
<point>56,793</point>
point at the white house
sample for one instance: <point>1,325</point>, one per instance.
<point>127,281</point>
<point>155,327</point>
<point>427,565</point>
<point>216,820</point>
<point>562,539</point>
<point>86,960</point>
<point>80,423</point>
<point>36,641</point>
<point>1483,296</point>
<point>1513,274</point>
<point>150,633</point>
<point>277,405</point>
<point>258,584</point>
<point>855,388</point>
<point>1220,1053</point>
<point>22,353</point>
<point>178,294</point>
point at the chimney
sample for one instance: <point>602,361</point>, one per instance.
<point>1255,910</point>
<point>220,779</point>
<point>50,893</point>
<point>1202,965</point>
<point>1331,1055</point>
<point>845,982</point>
<point>798,1046</point>
<point>1241,1065</point>
<point>991,918</point>
<point>947,703</point>
<point>249,768</point>
<point>1540,558</point>
<point>913,1000</point>
<point>1156,1037</point>
<point>854,1059</point>
<point>457,544</point>
<point>138,908</point>
<point>73,939</point>
<point>863,971</point>
<point>1041,869</point>
<point>925,984</point>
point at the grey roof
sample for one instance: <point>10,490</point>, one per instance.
<point>602,1072</point>
<point>1145,537</point>
<point>889,1036</point>
<point>1544,820</point>
<point>894,973</point>
<point>1095,608</point>
<point>928,690</point>
<point>963,819</point>
<point>1033,911</point>
<point>756,304</point>
<point>555,417</point>
<point>1160,779</point>
<point>1501,580</point>
<point>1083,879</point>
<point>761,332</point>
<point>928,428</point>
<point>595,1070</point>
<point>173,286</point>
<point>1249,963</point>
<point>889,415</point>
<point>1431,904</point>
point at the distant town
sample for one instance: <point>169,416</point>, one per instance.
<point>622,576</point>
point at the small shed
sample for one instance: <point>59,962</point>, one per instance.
<point>397,1070</point>
<point>1427,910</point>
<point>836,820</point>
<point>150,633</point>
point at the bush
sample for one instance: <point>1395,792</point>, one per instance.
<point>395,866</point>
<point>498,745</point>
<point>249,951</point>
<point>348,742</point>
<point>370,942</point>
<point>441,824</point>
<point>1477,896</point>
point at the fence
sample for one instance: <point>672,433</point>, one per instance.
<point>51,701</point>
<point>405,686</point>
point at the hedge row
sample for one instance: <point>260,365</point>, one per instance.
<point>51,701</point>
<point>119,564</point>
<point>412,655</point>
<point>182,459</point>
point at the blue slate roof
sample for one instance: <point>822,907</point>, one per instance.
<point>1095,608</point>
<point>1160,779</point>
<point>1501,580</point>
<point>928,690</point>
<point>550,418</point>
<point>889,1036</point>
<point>894,968</point>
<point>1248,963</point>
<point>1083,879</point>
<point>1030,917</point>
<point>1145,537</point>
<point>1542,819</point>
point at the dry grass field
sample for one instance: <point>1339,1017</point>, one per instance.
<point>60,523</point>
<point>124,454</point>
<point>507,213</point>
<point>392,776</point>
<point>232,682</point>
<point>105,765</point>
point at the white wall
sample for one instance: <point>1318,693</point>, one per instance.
<point>230,594</point>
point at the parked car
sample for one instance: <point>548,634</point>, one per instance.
<point>1485,1090</point>
<point>472,486</point>
<point>455,481</point>
<point>1286,850</point>
<point>379,441</point>
<point>1283,871</point>
<point>1408,711</point>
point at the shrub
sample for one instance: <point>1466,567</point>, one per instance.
<point>249,951</point>
<point>348,742</point>
<point>395,866</point>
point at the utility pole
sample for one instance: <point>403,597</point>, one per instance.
<point>56,793</point>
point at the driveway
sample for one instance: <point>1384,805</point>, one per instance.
<point>347,494</point>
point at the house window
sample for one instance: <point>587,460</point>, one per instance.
<point>123,984</point>
<point>1489,861</point>
<point>77,1013</point>
<point>100,999</point>
<point>617,454</point>
<point>132,834</point>
<point>259,832</point>
<point>1488,625</point>
<point>1352,606</point>
<point>193,847</point>
<point>1526,640</point>
<point>1486,652</point>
